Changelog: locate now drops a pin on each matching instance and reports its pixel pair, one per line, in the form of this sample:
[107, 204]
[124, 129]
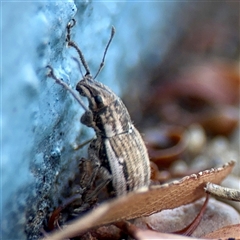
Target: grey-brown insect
[118, 152]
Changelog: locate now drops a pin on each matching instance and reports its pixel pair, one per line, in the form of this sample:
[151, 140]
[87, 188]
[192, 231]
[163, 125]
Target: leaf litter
[145, 202]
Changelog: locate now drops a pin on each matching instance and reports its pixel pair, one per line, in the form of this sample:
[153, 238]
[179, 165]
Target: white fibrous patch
[120, 160]
[119, 182]
[130, 128]
[108, 130]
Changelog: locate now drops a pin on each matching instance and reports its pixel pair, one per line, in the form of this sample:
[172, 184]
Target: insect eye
[98, 100]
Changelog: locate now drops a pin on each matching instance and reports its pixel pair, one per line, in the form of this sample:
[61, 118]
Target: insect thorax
[113, 119]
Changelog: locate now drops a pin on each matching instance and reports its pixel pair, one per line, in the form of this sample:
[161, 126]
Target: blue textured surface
[40, 120]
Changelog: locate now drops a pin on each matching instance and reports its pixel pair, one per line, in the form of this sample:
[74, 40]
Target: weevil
[118, 152]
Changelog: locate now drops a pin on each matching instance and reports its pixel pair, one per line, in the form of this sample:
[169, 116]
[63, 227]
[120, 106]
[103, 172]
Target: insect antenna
[62, 83]
[78, 64]
[105, 52]
[73, 44]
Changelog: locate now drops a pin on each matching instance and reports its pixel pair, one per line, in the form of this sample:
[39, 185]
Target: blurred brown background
[197, 80]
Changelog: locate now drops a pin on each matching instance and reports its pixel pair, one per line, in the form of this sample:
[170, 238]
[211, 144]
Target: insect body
[118, 152]
[118, 146]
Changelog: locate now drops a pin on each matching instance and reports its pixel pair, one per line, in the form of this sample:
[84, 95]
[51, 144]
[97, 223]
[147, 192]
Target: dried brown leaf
[217, 215]
[140, 234]
[108, 232]
[146, 201]
[223, 192]
[148, 234]
[230, 232]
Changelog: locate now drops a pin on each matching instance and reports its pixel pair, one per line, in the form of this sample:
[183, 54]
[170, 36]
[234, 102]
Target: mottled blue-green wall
[40, 120]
